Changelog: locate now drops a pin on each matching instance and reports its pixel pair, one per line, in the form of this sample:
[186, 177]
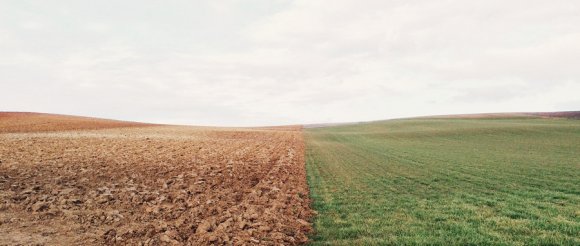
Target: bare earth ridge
[39, 122]
[83, 181]
[562, 114]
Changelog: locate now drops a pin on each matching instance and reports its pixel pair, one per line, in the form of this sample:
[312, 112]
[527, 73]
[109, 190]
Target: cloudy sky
[272, 62]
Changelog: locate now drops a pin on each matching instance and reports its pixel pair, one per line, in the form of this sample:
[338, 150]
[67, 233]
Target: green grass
[446, 182]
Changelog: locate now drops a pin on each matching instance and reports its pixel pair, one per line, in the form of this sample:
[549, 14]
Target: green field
[446, 181]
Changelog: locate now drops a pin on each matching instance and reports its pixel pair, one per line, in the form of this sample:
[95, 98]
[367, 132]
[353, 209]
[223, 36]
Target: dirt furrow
[159, 185]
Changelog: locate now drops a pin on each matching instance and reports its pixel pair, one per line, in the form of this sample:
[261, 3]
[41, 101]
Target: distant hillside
[331, 124]
[40, 122]
[563, 114]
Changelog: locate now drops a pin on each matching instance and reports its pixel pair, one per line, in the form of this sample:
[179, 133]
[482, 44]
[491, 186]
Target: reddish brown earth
[563, 114]
[38, 122]
[149, 185]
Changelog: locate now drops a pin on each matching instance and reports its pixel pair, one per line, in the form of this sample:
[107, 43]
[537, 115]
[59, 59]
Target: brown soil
[38, 122]
[157, 185]
[563, 114]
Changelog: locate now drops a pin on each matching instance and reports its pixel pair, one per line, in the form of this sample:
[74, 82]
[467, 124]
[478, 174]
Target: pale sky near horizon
[277, 62]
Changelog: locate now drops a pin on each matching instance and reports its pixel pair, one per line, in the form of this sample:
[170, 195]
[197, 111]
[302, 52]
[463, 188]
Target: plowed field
[37, 122]
[150, 185]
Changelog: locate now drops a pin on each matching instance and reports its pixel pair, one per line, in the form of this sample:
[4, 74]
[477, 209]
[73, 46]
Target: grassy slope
[446, 181]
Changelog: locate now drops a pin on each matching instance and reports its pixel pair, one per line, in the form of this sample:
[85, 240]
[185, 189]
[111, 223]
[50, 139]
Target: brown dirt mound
[38, 122]
[565, 114]
[161, 185]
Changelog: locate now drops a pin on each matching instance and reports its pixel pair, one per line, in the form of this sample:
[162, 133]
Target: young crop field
[446, 182]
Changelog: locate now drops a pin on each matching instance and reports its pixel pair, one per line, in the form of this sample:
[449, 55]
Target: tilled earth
[153, 185]
[37, 122]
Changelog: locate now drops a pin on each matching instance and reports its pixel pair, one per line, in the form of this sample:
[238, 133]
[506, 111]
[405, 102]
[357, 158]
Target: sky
[278, 62]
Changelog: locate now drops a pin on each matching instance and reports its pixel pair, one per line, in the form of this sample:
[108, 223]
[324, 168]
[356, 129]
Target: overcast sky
[273, 62]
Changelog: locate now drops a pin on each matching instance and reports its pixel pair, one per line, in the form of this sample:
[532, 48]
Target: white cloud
[283, 62]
